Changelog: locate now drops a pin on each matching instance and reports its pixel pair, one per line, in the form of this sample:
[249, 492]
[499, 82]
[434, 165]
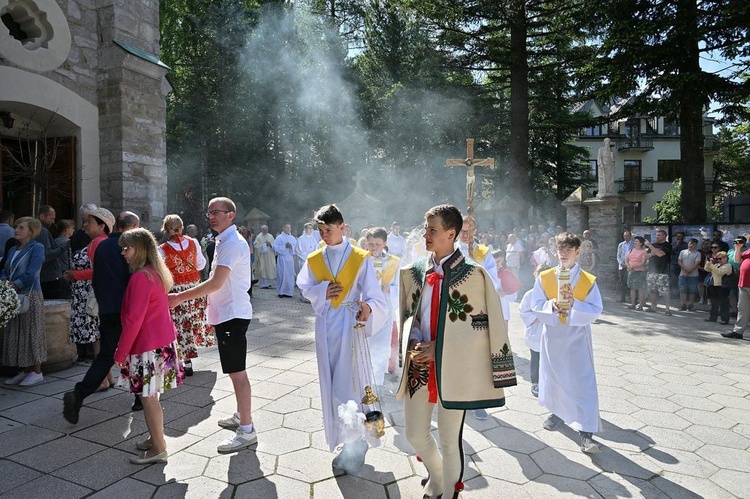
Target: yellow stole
[479, 253]
[346, 276]
[580, 292]
[389, 270]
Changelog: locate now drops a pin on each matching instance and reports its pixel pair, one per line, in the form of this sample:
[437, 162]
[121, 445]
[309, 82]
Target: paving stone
[570, 464]
[723, 389]
[719, 436]
[180, 467]
[99, 470]
[47, 486]
[282, 441]
[671, 439]
[730, 401]
[679, 461]
[25, 437]
[726, 458]
[113, 431]
[690, 401]
[271, 390]
[55, 454]
[240, 467]
[33, 411]
[737, 415]
[201, 422]
[485, 487]
[311, 390]
[306, 465]
[715, 419]
[195, 488]
[513, 439]
[347, 486]
[612, 485]
[678, 485]
[660, 419]
[274, 486]
[557, 486]
[654, 403]
[309, 420]
[51, 386]
[506, 465]
[735, 482]
[630, 465]
[127, 487]
[15, 475]
[198, 396]
[288, 404]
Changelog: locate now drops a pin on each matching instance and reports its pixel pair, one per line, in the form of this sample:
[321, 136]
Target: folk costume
[265, 260]
[455, 304]
[384, 343]
[285, 264]
[567, 383]
[185, 262]
[335, 321]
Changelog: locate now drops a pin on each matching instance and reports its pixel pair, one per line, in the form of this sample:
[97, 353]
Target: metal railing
[631, 185]
[638, 142]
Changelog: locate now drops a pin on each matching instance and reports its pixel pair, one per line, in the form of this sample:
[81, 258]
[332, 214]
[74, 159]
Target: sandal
[639, 308]
[104, 387]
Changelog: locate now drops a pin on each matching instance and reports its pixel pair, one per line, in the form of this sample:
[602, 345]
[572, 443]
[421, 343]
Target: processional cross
[469, 163]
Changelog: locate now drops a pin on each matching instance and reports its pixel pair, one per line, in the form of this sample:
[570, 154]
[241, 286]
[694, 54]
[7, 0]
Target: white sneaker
[239, 441]
[231, 423]
[16, 379]
[32, 379]
[535, 389]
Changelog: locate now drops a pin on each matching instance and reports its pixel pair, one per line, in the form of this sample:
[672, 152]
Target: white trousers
[446, 469]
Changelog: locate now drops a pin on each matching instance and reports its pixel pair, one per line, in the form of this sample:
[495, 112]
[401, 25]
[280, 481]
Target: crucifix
[469, 163]
[359, 179]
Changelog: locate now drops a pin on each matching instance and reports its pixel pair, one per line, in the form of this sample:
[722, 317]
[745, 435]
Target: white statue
[605, 160]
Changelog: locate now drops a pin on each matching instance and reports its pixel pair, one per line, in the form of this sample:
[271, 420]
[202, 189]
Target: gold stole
[479, 253]
[580, 292]
[388, 272]
[346, 276]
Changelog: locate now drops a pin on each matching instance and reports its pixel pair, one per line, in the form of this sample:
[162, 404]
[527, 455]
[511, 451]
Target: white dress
[334, 328]
[567, 383]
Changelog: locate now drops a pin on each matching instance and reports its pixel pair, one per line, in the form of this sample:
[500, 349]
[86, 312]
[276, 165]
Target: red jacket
[146, 321]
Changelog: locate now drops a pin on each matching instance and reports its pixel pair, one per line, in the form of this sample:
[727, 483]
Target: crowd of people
[422, 306]
[706, 270]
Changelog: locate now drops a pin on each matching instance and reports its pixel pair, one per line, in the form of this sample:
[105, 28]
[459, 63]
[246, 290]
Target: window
[632, 181]
[632, 129]
[669, 170]
[593, 130]
[670, 127]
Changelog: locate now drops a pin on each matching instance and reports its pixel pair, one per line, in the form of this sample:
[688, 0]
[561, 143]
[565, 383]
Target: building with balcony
[647, 154]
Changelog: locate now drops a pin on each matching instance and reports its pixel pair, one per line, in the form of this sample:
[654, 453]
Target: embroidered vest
[347, 275]
[183, 265]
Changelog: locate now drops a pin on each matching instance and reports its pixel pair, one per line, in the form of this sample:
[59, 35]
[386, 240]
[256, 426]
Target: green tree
[652, 50]
[732, 165]
[669, 209]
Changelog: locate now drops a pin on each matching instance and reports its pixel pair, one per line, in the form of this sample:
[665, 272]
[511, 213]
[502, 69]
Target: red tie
[433, 280]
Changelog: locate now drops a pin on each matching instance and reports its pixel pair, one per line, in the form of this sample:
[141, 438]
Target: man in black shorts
[229, 311]
[657, 277]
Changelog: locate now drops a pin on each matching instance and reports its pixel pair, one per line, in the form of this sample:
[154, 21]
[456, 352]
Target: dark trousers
[622, 285]
[534, 366]
[719, 303]
[110, 328]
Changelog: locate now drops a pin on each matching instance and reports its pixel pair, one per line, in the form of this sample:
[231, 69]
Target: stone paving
[675, 400]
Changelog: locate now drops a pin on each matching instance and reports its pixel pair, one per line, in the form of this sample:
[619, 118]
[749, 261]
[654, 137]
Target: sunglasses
[714, 247]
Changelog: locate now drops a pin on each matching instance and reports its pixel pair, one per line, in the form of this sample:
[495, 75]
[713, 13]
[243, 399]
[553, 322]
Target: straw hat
[104, 215]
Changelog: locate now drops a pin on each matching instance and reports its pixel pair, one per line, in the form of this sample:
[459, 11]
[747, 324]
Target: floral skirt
[190, 320]
[24, 341]
[152, 372]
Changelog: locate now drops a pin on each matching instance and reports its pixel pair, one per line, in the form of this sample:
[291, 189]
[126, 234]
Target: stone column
[605, 222]
[576, 211]
[132, 108]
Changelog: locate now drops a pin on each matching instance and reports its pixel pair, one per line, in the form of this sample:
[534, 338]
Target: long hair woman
[147, 353]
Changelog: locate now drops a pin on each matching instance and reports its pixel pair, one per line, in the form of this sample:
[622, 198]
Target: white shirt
[420, 330]
[396, 244]
[231, 300]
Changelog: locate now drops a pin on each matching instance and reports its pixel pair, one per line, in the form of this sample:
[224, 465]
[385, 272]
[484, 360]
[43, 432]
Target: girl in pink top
[635, 261]
[147, 351]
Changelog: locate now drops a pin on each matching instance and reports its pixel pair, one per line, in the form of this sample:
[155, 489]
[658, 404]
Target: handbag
[23, 303]
[732, 280]
[92, 306]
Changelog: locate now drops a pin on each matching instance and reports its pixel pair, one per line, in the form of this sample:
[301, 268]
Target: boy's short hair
[377, 233]
[449, 214]
[567, 240]
[329, 215]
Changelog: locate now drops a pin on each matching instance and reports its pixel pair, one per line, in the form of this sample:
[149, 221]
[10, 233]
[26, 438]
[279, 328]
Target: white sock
[246, 428]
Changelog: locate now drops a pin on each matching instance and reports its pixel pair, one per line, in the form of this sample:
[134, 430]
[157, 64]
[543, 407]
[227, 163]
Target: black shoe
[737, 336]
[726, 323]
[188, 368]
[254, 282]
[137, 404]
[72, 402]
[683, 308]
[710, 320]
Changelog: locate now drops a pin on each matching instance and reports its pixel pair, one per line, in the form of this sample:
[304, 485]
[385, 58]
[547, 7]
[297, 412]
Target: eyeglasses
[714, 247]
[214, 213]
[464, 231]
[125, 248]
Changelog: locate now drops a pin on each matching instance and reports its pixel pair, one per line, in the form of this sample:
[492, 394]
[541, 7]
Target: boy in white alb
[567, 383]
